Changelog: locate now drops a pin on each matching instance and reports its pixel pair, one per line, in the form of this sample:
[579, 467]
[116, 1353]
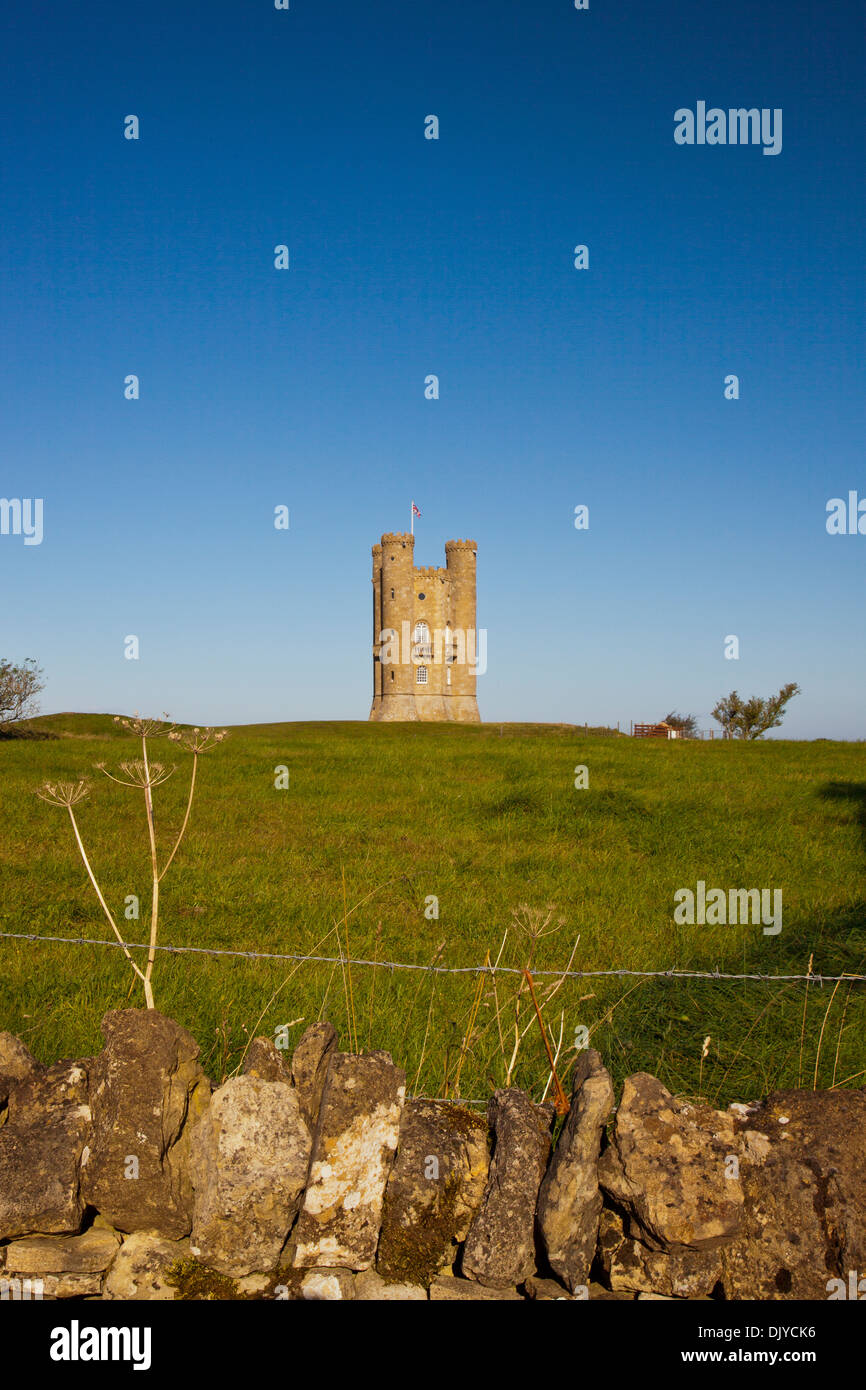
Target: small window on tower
[422, 596]
[421, 675]
[392, 593]
[392, 675]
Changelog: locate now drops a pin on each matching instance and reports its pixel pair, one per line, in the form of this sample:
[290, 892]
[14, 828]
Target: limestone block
[354, 1147]
[500, 1247]
[147, 1090]
[249, 1156]
[42, 1146]
[310, 1062]
[434, 1191]
[667, 1167]
[139, 1268]
[569, 1203]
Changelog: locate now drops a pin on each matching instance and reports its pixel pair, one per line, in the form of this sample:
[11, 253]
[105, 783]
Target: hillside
[487, 820]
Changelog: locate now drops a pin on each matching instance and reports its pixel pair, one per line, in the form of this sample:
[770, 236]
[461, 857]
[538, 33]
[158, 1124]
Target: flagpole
[412, 518]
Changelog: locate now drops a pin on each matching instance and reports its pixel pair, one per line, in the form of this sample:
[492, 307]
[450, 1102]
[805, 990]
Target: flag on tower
[412, 515]
[415, 511]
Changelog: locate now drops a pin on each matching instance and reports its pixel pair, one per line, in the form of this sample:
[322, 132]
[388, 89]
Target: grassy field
[489, 821]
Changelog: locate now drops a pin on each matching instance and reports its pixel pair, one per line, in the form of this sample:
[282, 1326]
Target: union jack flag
[415, 510]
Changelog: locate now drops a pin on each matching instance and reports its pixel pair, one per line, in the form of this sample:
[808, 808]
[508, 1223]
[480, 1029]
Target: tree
[750, 719]
[727, 712]
[686, 723]
[19, 687]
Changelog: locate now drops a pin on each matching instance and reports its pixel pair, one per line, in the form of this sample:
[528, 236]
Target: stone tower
[424, 635]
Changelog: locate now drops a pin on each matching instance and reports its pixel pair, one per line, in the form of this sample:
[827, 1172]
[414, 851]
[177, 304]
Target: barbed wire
[670, 974]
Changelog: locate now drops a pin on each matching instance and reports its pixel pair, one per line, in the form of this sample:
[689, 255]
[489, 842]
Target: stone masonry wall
[129, 1176]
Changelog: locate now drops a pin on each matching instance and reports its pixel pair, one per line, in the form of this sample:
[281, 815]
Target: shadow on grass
[839, 939]
[7, 735]
[854, 793]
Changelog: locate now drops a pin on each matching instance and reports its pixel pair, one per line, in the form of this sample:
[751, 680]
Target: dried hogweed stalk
[143, 775]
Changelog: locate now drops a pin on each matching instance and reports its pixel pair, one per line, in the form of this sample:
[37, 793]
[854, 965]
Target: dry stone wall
[130, 1176]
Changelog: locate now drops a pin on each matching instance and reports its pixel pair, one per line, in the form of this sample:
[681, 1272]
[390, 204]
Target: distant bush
[750, 719]
[19, 687]
[686, 723]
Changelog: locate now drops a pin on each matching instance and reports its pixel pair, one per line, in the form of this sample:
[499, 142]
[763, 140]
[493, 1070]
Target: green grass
[486, 818]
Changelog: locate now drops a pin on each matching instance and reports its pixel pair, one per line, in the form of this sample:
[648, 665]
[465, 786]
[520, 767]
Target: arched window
[422, 650]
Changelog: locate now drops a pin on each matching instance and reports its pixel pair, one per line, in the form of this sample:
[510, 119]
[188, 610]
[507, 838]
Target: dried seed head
[200, 740]
[139, 774]
[63, 793]
[536, 922]
[146, 728]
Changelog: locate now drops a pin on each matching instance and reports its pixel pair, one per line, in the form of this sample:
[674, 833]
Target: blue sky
[409, 256]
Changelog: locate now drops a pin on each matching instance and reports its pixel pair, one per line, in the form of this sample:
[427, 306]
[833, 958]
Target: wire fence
[483, 969]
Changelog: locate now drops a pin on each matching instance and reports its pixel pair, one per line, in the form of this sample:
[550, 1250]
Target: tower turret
[460, 559]
[377, 628]
[392, 641]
